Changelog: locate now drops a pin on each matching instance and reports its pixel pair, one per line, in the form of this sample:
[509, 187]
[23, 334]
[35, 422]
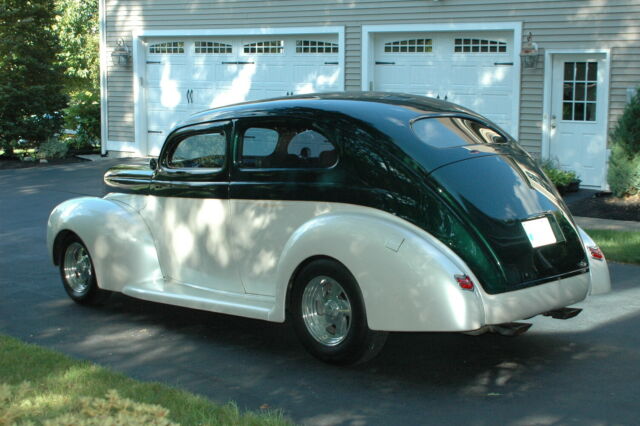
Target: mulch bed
[17, 164]
[604, 206]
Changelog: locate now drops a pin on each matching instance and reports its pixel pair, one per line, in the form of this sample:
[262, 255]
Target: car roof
[359, 105]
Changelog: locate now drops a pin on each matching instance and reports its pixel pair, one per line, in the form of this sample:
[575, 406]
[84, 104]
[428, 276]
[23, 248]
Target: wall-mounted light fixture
[530, 53]
[121, 55]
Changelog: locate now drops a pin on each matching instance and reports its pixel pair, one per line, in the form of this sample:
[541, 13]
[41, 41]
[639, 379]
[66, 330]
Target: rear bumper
[528, 302]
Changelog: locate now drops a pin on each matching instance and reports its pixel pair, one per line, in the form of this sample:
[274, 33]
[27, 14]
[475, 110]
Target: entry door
[578, 115]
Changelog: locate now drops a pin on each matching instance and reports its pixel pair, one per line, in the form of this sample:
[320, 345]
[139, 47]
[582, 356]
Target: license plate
[539, 232]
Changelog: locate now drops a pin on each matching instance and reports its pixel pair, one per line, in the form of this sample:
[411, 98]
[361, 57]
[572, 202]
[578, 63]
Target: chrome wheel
[77, 268]
[326, 310]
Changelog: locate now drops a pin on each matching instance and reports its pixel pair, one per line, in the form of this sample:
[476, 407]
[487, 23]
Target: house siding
[580, 24]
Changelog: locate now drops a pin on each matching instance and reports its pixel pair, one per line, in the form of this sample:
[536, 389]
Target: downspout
[104, 113]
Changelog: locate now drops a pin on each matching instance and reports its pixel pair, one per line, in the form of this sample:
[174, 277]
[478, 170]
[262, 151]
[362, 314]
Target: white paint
[159, 103]
[578, 146]
[104, 104]
[494, 91]
[213, 254]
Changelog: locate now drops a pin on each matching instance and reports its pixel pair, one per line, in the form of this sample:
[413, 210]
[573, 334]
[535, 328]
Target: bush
[560, 178]
[19, 403]
[53, 148]
[83, 116]
[624, 172]
[627, 131]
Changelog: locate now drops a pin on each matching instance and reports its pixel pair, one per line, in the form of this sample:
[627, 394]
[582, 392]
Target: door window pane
[200, 151]
[579, 91]
[286, 147]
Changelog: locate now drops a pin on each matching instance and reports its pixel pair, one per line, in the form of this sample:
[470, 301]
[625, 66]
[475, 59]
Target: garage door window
[212, 47]
[270, 46]
[475, 45]
[418, 45]
[286, 147]
[314, 46]
[169, 47]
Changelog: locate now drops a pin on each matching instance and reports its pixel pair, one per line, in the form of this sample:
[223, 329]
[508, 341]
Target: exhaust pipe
[506, 329]
[563, 313]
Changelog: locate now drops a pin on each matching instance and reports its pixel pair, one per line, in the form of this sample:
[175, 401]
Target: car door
[285, 173]
[188, 209]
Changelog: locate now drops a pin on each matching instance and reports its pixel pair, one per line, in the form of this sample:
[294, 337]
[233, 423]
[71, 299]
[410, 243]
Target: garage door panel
[472, 69]
[311, 78]
[192, 75]
[166, 70]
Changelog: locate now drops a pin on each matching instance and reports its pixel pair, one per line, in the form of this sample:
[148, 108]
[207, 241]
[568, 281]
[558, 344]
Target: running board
[563, 313]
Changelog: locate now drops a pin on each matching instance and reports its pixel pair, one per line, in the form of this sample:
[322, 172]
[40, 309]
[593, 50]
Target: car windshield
[449, 132]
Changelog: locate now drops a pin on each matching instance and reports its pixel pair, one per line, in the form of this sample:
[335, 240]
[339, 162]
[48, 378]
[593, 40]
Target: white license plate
[539, 232]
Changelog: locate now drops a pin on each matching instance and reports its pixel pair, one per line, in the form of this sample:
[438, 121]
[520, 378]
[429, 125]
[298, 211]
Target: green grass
[618, 246]
[39, 385]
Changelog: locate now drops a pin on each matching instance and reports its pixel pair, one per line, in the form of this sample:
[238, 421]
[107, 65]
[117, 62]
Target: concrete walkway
[615, 225]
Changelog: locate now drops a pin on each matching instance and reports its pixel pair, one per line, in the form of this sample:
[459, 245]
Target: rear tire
[329, 315]
[78, 274]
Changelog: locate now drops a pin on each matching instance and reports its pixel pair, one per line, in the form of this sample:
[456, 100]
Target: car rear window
[449, 132]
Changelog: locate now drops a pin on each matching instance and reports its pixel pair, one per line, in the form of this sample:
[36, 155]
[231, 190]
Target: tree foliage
[31, 79]
[78, 30]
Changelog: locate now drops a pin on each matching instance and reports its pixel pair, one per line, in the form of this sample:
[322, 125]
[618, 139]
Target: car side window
[200, 151]
[286, 147]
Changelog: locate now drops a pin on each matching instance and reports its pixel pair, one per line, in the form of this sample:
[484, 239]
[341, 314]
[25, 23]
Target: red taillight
[596, 253]
[464, 282]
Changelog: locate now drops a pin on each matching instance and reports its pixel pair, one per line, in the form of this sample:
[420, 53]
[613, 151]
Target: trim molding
[368, 32]
[104, 105]
[139, 64]
[548, 87]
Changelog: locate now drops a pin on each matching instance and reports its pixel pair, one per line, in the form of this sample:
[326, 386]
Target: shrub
[53, 148]
[558, 177]
[624, 172]
[626, 133]
[83, 116]
[19, 403]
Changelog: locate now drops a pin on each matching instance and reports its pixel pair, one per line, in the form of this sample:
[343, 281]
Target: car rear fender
[118, 240]
[406, 276]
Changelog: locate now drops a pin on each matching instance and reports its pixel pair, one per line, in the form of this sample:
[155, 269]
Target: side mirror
[153, 164]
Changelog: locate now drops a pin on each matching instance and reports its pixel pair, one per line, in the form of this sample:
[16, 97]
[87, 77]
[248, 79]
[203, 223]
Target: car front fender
[118, 240]
[406, 277]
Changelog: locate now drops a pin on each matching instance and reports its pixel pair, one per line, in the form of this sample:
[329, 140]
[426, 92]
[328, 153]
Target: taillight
[596, 253]
[465, 282]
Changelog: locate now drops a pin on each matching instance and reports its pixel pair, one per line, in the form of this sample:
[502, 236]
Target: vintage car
[350, 214]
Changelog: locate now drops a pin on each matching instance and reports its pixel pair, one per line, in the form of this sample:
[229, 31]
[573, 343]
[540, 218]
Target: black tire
[355, 345]
[78, 274]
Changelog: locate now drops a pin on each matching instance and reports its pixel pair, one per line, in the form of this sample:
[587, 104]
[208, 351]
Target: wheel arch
[404, 275]
[117, 238]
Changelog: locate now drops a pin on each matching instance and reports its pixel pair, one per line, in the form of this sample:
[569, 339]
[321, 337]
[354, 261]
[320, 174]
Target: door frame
[368, 49]
[549, 56]
[141, 144]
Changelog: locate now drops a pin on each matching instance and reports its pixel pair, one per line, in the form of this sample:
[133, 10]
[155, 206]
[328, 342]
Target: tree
[31, 79]
[77, 28]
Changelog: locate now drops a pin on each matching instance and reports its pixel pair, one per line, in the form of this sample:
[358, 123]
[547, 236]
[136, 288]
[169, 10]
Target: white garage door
[184, 76]
[473, 69]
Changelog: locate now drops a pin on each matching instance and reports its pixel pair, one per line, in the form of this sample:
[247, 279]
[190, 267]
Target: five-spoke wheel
[329, 315]
[78, 274]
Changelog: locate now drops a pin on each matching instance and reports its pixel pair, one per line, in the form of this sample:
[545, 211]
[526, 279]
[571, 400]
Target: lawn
[618, 246]
[38, 385]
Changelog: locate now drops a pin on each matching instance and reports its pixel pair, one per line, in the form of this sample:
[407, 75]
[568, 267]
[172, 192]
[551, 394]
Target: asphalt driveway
[581, 371]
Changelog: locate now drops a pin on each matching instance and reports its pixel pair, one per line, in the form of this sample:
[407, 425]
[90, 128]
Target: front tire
[78, 274]
[329, 316]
